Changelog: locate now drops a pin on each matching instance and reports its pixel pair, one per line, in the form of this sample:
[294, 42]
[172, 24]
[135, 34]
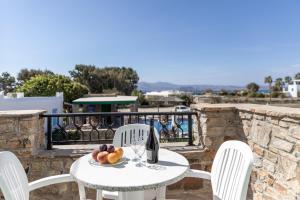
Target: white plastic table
[128, 178]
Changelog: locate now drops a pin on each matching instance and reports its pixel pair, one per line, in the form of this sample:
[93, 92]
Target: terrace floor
[189, 195]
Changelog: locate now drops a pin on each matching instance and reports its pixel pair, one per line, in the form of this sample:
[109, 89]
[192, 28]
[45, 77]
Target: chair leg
[99, 195]
[81, 189]
[161, 193]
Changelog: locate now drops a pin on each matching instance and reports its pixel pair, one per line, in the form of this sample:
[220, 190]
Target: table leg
[81, 189]
[99, 195]
[138, 195]
[161, 193]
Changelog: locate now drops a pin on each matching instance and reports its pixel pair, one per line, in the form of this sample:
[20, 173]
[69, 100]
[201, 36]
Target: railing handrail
[144, 115]
[117, 113]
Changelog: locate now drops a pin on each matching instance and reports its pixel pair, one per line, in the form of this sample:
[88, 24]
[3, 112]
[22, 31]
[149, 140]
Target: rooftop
[106, 100]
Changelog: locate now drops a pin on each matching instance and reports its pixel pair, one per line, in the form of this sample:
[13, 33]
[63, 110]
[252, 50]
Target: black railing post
[49, 133]
[190, 129]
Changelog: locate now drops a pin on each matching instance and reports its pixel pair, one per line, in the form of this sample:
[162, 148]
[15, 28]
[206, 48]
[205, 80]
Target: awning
[106, 100]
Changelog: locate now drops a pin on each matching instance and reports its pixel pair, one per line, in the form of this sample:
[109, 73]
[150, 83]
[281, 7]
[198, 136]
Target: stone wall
[273, 133]
[22, 132]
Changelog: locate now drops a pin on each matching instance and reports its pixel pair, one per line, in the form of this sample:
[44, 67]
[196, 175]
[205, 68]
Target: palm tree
[297, 76]
[278, 84]
[269, 80]
[287, 79]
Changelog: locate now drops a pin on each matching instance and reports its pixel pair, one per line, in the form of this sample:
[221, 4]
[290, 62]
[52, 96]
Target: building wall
[50, 104]
[293, 90]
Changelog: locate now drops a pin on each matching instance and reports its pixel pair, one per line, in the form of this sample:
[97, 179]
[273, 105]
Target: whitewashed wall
[50, 104]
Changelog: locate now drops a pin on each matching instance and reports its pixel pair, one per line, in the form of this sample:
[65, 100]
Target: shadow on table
[170, 164]
[123, 164]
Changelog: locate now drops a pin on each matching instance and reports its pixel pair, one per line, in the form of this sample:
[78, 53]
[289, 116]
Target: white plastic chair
[123, 136]
[230, 171]
[13, 180]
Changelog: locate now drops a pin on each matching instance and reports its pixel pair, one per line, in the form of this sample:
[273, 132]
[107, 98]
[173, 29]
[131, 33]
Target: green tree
[122, 79]
[252, 87]
[188, 99]
[278, 85]
[7, 82]
[269, 81]
[297, 76]
[87, 75]
[223, 92]
[26, 74]
[48, 85]
[287, 79]
[141, 97]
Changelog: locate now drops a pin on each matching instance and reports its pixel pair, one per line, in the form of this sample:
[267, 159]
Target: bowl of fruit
[107, 155]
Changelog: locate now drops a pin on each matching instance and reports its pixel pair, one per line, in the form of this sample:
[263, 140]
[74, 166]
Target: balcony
[273, 133]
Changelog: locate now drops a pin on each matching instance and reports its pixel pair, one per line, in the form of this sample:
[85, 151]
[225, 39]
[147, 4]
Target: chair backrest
[124, 135]
[231, 171]
[13, 179]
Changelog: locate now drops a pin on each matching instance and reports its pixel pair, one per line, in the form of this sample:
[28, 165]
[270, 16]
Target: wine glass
[134, 142]
[140, 152]
[134, 145]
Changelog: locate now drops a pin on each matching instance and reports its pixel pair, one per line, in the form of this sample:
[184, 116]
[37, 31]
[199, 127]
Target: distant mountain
[159, 86]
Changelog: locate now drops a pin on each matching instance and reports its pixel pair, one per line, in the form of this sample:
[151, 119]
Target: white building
[293, 88]
[164, 93]
[17, 101]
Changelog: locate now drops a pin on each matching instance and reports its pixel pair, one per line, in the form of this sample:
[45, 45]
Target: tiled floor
[189, 195]
[205, 194]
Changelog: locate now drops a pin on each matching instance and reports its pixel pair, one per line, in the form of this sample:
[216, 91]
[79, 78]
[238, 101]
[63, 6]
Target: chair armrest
[198, 174]
[49, 181]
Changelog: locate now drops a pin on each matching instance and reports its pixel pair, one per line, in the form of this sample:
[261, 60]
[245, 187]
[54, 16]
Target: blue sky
[187, 42]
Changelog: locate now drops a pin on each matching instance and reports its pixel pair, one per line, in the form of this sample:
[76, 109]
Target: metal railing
[93, 128]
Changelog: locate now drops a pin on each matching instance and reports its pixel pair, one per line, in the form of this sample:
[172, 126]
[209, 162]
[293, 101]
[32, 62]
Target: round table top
[127, 176]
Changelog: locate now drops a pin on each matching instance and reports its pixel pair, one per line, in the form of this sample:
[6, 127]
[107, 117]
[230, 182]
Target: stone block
[217, 122]
[2, 144]
[271, 156]
[258, 150]
[282, 144]
[294, 131]
[259, 117]
[280, 188]
[272, 120]
[261, 133]
[8, 126]
[28, 126]
[284, 124]
[287, 167]
[270, 180]
[215, 131]
[257, 161]
[57, 165]
[291, 120]
[259, 187]
[269, 166]
[279, 132]
[14, 143]
[245, 115]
